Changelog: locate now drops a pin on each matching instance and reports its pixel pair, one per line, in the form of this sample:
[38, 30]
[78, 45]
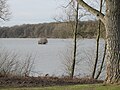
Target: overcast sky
[34, 11]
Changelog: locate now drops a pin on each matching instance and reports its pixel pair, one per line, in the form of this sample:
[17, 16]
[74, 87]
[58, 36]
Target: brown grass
[43, 81]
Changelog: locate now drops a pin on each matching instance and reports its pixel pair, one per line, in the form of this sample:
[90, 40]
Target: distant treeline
[87, 29]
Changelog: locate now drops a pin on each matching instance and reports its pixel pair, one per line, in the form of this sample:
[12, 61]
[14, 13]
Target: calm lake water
[49, 58]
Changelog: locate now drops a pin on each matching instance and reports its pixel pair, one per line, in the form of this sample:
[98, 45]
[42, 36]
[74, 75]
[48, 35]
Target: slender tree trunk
[97, 45]
[112, 24]
[75, 42]
[97, 51]
[103, 59]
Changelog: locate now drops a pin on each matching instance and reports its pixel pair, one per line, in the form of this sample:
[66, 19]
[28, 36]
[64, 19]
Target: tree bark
[112, 25]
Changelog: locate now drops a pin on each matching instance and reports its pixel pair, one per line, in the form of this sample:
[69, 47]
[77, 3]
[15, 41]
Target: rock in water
[43, 41]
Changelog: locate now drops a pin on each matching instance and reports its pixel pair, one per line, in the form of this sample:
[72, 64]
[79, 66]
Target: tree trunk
[75, 42]
[112, 24]
[103, 59]
[98, 40]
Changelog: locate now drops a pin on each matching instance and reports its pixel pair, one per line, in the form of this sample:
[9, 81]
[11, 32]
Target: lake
[49, 58]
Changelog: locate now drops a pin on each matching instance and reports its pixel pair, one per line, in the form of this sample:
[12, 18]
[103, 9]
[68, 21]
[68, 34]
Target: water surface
[49, 57]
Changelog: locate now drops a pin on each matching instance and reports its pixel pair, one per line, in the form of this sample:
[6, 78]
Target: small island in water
[43, 41]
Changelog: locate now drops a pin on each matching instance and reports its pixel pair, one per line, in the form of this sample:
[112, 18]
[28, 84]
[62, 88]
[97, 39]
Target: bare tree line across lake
[87, 29]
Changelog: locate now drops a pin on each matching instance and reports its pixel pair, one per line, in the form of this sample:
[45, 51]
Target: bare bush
[12, 65]
[90, 60]
[67, 59]
[27, 65]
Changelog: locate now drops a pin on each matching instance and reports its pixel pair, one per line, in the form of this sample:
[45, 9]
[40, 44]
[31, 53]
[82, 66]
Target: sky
[33, 11]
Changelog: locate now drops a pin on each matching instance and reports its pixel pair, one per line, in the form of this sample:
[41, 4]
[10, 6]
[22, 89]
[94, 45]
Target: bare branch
[4, 10]
[92, 10]
[68, 4]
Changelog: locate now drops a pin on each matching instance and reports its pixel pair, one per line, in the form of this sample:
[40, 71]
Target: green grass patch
[71, 87]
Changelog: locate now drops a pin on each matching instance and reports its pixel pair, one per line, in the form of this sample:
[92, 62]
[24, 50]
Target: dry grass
[43, 81]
